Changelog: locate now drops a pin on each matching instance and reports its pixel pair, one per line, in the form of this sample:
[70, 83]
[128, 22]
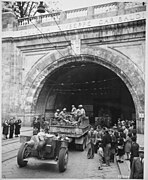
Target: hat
[57, 110]
[80, 106]
[64, 109]
[141, 150]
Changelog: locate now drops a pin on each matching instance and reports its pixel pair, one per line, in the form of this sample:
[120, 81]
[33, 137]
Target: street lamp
[41, 8]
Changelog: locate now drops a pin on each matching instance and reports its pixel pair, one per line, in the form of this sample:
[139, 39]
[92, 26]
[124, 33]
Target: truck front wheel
[63, 159]
[22, 154]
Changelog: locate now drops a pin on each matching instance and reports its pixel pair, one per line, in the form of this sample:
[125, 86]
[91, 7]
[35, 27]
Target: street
[78, 166]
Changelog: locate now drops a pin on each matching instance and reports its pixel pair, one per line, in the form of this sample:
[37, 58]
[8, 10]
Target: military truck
[77, 133]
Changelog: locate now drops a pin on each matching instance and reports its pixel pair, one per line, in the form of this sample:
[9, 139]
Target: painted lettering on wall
[79, 25]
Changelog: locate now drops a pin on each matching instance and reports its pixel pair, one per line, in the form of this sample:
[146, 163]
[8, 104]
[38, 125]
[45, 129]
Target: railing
[76, 13]
[81, 12]
[39, 19]
[105, 8]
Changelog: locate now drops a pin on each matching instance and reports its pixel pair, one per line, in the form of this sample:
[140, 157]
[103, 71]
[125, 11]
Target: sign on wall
[79, 24]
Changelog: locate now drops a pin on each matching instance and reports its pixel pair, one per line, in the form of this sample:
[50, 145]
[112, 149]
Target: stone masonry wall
[12, 76]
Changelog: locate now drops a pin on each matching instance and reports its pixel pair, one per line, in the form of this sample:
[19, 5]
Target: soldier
[80, 113]
[63, 115]
[74, 112]
[57, 115]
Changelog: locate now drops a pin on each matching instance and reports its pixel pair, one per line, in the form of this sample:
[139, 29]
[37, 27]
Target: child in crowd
[100, 156]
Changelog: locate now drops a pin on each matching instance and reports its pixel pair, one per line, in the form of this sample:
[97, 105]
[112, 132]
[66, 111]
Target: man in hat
[138, 166]
[80, 113]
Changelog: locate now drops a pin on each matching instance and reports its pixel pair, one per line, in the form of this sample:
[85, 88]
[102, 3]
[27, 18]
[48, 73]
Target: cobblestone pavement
[78, 167]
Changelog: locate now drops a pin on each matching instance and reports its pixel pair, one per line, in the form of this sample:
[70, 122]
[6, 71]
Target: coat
[106, 140]
[134, 150]
[121, 151]
[17, 127]
[128, 145]
[5, 129]
[136, 169]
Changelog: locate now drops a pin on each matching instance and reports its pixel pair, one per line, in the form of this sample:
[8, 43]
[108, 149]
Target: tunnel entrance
[99, 89]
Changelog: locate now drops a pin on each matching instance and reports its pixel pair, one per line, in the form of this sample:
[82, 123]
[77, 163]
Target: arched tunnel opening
[100, 90]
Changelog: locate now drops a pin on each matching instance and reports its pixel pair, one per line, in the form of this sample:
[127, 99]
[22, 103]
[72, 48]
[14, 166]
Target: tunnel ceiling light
[83, 65]
[73, 66]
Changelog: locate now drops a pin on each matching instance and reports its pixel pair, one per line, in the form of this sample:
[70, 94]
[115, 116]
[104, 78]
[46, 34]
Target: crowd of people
[11, 127]
[120, 141]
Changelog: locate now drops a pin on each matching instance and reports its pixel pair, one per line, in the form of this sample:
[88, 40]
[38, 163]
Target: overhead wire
[70, 44]
[47, 38]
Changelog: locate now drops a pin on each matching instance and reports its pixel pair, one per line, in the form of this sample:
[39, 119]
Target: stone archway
[118, 63]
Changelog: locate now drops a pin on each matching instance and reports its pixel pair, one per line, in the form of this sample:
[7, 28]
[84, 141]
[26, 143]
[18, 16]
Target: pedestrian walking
[137, 169]
[134, 150]
[100, 156]
[91, 145]
[17, 125]
[11, 124]
[128, 144]
[106, 141]
[5, 128]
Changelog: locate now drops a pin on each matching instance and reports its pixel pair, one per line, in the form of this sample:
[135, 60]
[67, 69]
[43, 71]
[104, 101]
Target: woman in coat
[5, 128]
[128, 144]
[17, 127]
[11, 123]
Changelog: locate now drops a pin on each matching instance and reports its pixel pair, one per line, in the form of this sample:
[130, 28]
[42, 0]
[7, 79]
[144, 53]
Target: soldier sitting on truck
[63, 115]
[81, 113]
[57, 115]
[74, 112]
